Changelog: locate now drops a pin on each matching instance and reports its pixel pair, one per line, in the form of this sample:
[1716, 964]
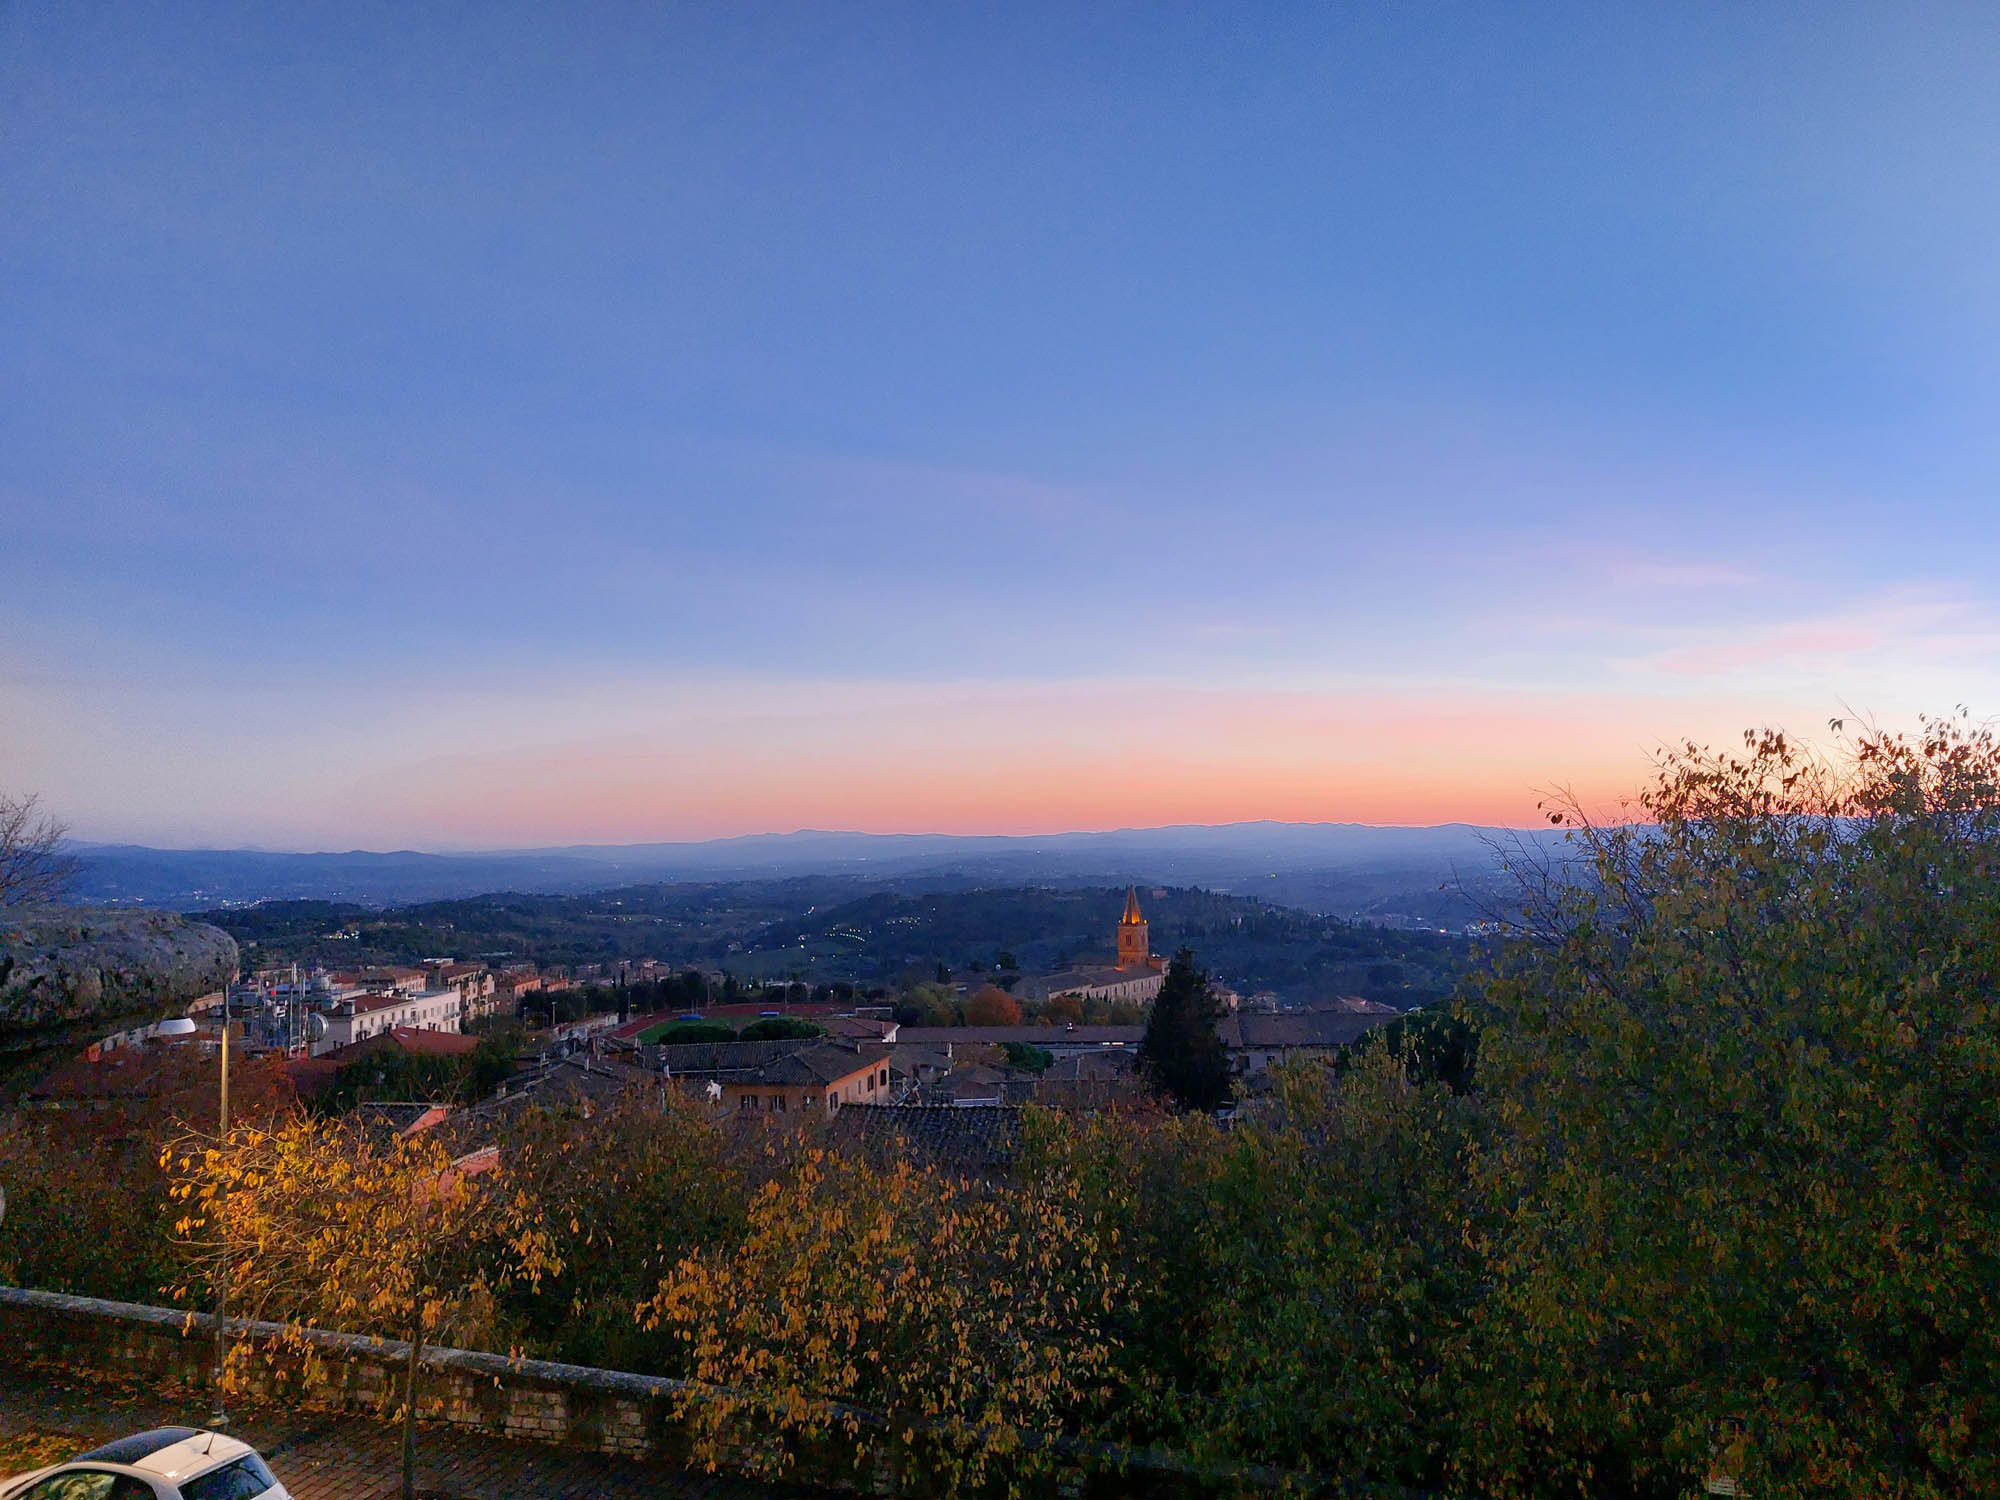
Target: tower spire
[1134, 950]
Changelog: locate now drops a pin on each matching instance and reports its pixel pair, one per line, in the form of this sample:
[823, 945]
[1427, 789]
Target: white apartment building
[358, 1017]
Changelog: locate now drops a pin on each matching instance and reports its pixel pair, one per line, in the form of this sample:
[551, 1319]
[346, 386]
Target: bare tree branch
[34, 865]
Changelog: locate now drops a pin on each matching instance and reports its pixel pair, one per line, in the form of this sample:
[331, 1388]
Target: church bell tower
[1134, 952]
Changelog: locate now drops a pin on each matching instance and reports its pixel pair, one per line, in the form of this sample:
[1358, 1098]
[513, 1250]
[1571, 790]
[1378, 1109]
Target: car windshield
[242, 1480]
[89, 1484]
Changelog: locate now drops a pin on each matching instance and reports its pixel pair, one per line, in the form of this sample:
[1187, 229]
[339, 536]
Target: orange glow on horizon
[1026, 768]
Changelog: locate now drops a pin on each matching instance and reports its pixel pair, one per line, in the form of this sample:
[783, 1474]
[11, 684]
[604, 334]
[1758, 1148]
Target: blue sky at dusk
[497, 425]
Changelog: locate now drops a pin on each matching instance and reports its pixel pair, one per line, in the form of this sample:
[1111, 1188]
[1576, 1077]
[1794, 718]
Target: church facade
[1137, 975]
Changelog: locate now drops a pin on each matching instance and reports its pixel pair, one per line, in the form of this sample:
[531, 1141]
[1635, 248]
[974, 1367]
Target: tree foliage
[684, 1033]
[967, 1319]
[84, 1210]
[315, 1224]
[86, 1196]
[1181, 1055]
[1432, 1046]
[1295, 1285]
[1028, 1057]
[388, 1072]
[626, 1191]
[992, 1006]
[1704, 1176]
[1746, 1087]
[781, 1029]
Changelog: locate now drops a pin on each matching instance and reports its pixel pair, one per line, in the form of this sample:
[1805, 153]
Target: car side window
[242, 1480]
[89, 1484]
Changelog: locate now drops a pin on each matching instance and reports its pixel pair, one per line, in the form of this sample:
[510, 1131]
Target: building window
[778, 1103]
[747, 1101]
[871, 1083]
[885, 1077]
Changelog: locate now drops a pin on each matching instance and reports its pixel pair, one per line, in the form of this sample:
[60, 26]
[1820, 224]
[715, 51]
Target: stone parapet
[576, 1406]
[606, 1410]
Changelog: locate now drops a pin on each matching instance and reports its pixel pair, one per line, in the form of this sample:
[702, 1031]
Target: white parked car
[168, 1463]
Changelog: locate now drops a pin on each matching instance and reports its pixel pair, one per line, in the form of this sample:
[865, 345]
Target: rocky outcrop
[69, 975]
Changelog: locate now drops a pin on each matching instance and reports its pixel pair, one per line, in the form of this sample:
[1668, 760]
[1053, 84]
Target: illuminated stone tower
[1133, 950]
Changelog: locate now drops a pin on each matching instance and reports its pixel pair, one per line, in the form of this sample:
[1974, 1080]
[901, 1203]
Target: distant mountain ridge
[1322, 866]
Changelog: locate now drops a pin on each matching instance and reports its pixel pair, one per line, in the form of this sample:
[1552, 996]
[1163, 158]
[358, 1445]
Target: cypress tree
[1181, 1055]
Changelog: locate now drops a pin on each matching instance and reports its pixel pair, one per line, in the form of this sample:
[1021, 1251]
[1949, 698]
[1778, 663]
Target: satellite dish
[316, 1028]
[178, 1026]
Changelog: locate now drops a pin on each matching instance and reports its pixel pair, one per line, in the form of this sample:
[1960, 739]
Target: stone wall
[605, 1410]
[608, 1411]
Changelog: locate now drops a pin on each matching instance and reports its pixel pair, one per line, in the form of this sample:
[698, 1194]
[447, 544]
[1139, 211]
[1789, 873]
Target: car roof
[127, 1450]
[195, 1454]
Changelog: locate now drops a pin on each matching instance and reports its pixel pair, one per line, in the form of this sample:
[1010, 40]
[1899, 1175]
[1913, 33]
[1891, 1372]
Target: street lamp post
[221, 1417]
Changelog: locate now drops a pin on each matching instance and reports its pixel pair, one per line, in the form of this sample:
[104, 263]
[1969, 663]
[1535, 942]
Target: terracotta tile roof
[567, 1080]
[722, 1058]
[385, 1121]
[859, 1028]
[1038, 1036]
[433, 1043]
[821, 1063]
[1317, 1028]
[967, 1137]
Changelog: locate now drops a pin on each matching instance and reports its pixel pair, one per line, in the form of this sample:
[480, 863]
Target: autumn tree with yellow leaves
[966, 1322]
[627, 1189]
[317, 1225]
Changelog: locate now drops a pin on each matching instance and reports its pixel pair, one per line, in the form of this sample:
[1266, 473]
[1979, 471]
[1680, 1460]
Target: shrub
[992, 1006]
[682, 1033]
[781, 1029]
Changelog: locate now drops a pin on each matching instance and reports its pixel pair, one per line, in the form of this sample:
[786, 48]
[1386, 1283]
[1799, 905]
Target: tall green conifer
[1181, 1055]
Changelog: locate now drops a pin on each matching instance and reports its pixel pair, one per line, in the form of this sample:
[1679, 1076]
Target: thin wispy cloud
[1909, 628]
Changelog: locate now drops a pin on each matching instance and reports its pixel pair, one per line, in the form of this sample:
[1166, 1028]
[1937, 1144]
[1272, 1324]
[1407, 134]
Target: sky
[487, 426]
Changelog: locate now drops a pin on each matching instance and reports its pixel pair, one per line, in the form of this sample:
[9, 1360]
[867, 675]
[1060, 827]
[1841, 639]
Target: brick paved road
[329, 1456]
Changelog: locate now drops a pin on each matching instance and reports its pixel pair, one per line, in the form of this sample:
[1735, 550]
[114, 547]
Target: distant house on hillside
[797, 1075]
